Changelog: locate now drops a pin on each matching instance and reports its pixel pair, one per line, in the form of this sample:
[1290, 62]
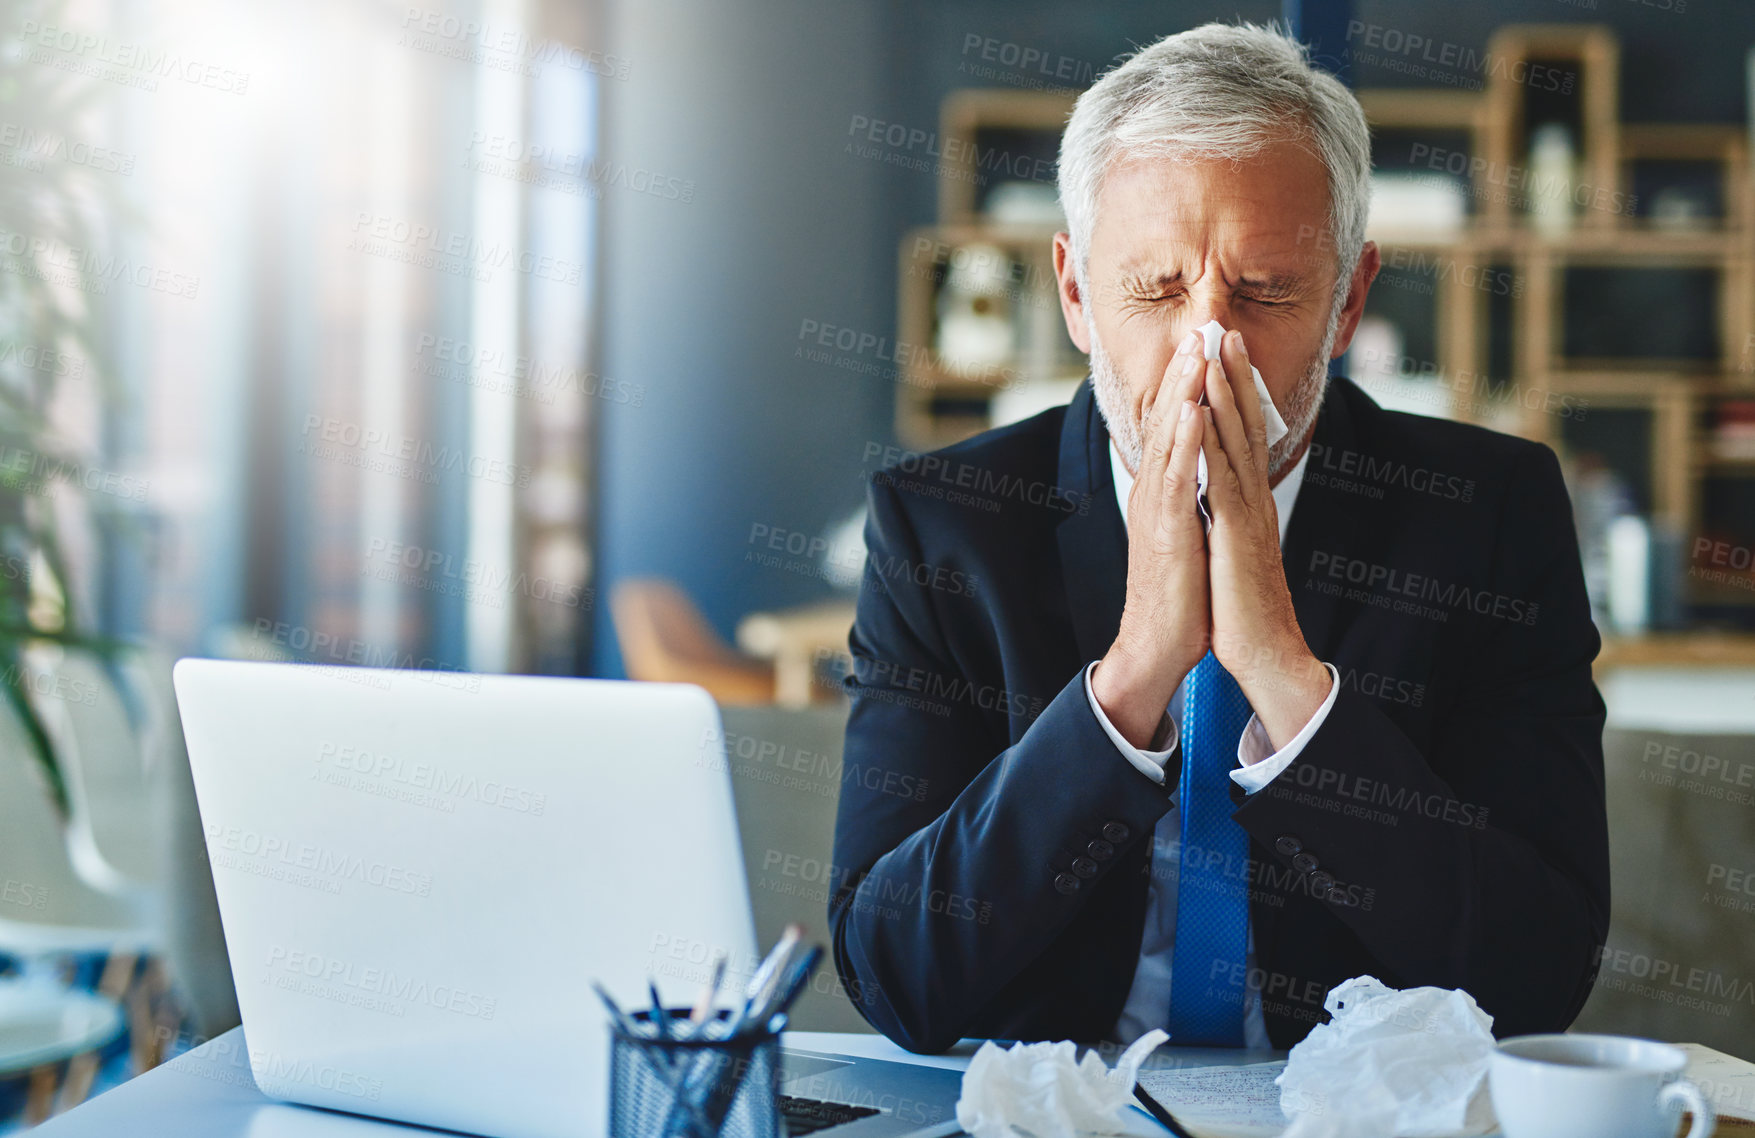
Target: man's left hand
[1255, 629]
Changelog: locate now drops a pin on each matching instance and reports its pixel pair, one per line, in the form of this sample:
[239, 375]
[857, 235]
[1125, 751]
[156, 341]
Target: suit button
[1288, 845]
[1116, 831]
[1100, 849]
[1066, 883]
[1305, 863]
[1320, 883]
[1084, 867]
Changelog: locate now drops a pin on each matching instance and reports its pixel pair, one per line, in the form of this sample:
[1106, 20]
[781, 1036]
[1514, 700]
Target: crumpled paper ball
[1039, 1091]
[1391, 1063]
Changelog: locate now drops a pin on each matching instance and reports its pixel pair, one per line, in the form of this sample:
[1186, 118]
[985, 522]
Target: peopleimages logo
[148, 64]
[98, 268]
[809, 770]
[23, 894]
[35, 471]
[385, 983]
[1670, 981]
[323, 866]
[428, 777]
[933, 474]
[402, 456]
[1391, 472]
[1426, 57]
[273, 1071]
[1384, 585]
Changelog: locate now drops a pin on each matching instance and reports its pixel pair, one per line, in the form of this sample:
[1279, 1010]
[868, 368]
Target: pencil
[1157, 1111]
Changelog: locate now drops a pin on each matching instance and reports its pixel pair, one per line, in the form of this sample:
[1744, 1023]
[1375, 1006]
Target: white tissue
[1391, 1063]
[1036, 1089]
[1213, 332]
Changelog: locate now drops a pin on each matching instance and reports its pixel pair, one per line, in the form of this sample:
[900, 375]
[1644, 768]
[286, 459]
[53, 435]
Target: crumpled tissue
[1391, 1063]
[1212, 332]
[1037, 1089]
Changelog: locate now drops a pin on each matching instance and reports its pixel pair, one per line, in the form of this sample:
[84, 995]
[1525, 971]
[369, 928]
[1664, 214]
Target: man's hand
[1255, 630]
[1165, 623]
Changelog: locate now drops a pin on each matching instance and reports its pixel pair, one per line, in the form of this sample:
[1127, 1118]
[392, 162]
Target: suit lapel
[1093, 568]
[1327, 522]
[1092, 539]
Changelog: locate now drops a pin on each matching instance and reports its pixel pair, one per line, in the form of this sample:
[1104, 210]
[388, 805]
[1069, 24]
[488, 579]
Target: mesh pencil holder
[695, 1088]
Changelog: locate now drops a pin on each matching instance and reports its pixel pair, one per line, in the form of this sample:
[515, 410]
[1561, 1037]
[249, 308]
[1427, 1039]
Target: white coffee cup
[1593, 1086]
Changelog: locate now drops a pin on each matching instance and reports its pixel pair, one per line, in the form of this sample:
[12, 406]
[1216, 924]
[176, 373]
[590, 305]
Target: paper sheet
[1243, 1102]
[1221, 1102]
[1727, 1082]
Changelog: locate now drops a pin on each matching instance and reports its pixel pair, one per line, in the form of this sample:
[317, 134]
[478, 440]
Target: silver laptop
[420, 873]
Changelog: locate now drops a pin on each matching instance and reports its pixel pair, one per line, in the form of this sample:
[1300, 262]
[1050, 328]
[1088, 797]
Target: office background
[507, 337]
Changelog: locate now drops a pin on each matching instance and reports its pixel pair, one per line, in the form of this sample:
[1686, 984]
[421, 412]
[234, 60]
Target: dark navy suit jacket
[1444, 826]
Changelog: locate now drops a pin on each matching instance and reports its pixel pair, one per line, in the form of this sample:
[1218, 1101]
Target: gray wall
[702, 302]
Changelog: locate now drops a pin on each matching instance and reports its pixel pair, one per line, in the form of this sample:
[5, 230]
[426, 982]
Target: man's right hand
[1166, 623]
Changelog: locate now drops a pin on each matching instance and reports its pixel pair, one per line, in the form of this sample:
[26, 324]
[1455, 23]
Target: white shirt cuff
[1149, 763]
[1257, 762]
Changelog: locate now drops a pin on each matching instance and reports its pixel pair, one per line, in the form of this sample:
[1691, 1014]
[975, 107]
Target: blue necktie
[1212, 899]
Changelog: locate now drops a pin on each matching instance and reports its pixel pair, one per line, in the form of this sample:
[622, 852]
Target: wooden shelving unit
[1676, 394]
[1594, 54]
[939, 403]
[965, 115]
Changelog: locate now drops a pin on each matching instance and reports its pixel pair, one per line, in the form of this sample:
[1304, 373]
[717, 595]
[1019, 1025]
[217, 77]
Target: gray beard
[1300, 410]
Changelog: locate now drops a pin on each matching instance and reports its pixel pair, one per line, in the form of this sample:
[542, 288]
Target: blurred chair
[797, 640]
[48, 912]
[43, 1025]
[1680, 961]
[786, 773]
[64, 914]
[194, 942]
[664, 637]
[116, 819]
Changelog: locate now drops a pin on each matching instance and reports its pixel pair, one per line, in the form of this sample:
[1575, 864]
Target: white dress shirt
[1148, 1001]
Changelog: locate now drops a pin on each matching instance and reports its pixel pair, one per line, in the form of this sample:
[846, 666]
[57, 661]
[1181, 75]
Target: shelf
[1681, 142]
[966, 113]
[1596, 54]
[1679, 650]
[1722, 143]
[1636, 244]
[1578, 371]
[943, 381]
[1414, 108]
[966, 232]
[1030, 290]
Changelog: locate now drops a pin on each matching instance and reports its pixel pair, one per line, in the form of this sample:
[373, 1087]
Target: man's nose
[1204, 310]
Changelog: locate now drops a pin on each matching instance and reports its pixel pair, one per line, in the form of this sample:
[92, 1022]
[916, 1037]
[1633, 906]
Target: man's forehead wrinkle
[1258, 272]
[1234, 238]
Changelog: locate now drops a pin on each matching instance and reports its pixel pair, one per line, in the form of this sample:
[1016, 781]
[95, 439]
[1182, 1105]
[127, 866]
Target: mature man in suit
[1120, 772]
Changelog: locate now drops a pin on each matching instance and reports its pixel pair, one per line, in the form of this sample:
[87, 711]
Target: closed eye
[1146, 301]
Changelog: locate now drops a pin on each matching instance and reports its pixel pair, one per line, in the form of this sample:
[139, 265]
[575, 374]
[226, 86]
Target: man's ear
[1072, 302]
[1370, 261]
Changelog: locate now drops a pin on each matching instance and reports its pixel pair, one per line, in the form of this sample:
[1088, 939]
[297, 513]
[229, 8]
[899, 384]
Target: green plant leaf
[42, 747]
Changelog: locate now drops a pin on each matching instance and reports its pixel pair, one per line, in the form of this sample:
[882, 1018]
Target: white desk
[208, 1093]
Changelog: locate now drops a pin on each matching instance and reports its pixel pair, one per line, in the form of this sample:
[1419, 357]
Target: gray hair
[1219, 91]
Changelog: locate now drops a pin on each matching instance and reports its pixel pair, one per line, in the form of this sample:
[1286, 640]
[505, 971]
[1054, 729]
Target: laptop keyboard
[809, 1115]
